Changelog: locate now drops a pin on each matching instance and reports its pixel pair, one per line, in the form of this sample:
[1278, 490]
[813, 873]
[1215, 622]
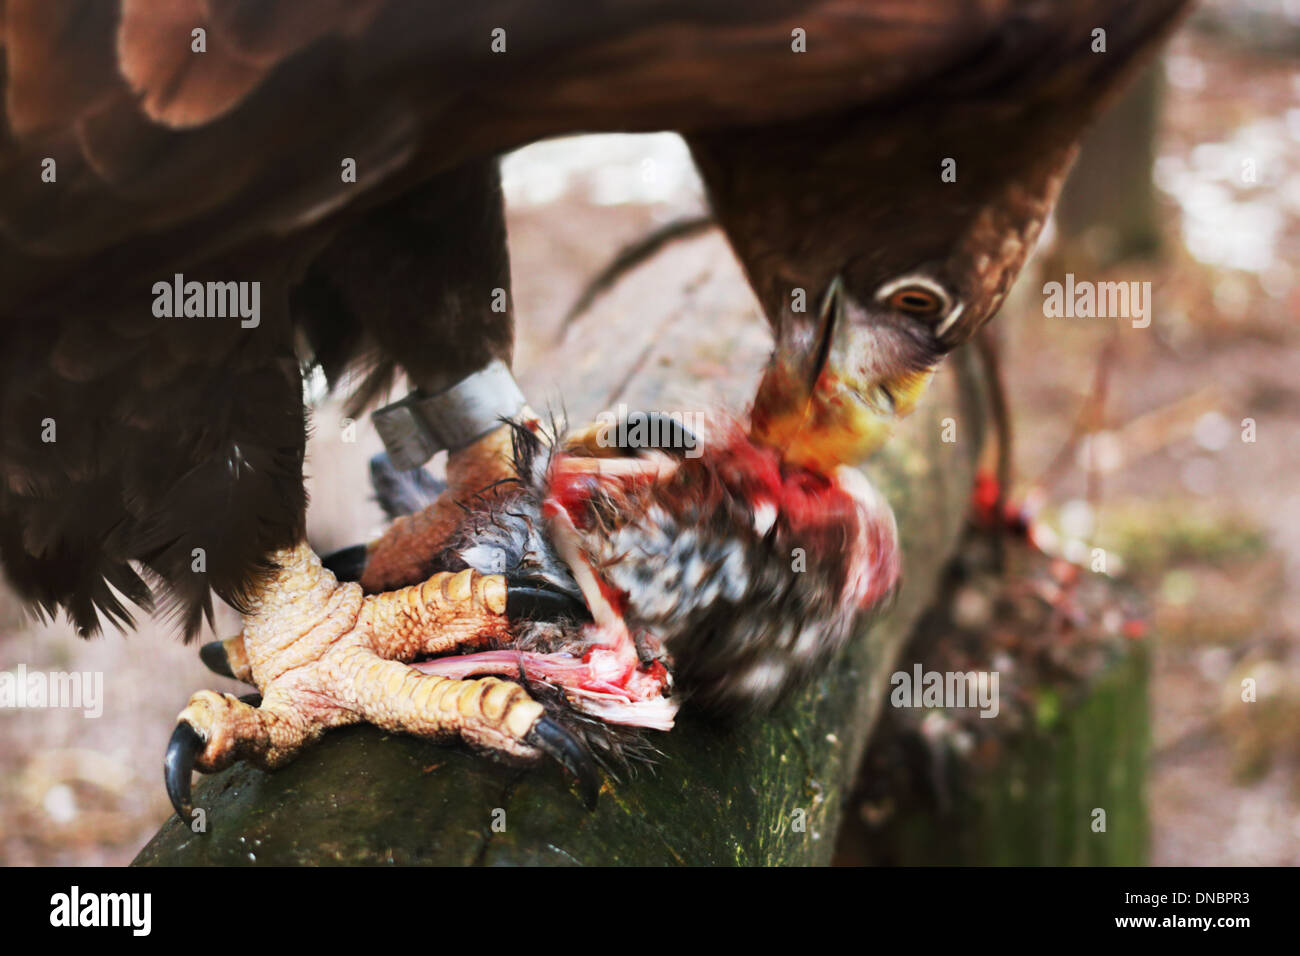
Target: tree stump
[1057, 777]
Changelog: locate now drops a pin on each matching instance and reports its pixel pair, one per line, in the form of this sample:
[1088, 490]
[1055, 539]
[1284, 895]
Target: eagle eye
[916, 300]
[921, 298]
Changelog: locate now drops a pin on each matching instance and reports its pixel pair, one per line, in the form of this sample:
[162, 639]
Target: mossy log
[762, 791]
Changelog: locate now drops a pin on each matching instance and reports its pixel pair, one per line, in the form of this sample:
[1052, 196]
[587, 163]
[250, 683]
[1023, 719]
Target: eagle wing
[144, 138]
[161, 151]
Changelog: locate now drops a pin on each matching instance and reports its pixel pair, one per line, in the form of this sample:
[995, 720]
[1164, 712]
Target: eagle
[202, 199]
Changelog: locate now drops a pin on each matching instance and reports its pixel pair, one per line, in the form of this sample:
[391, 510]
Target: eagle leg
[324, 655]
[406, 549]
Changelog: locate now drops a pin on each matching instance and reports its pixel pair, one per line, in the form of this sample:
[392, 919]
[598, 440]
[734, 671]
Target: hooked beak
[824, 401]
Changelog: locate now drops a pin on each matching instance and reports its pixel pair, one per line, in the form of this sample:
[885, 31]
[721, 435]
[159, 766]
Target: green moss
[1153, 536]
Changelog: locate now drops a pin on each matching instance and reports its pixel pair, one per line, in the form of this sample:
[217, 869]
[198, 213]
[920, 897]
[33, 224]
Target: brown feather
[61, 62]
[177, 86]
[267, 31]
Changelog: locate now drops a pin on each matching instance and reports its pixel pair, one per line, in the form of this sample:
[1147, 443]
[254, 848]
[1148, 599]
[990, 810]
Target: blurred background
[1126, 439]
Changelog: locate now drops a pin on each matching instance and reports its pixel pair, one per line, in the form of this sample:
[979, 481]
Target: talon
[213, 656]
[542, 604]
[346, 656]
[227, 658]
[669, 434]
[548, 736]
[637, 432]
[178, 767]
[347, 564]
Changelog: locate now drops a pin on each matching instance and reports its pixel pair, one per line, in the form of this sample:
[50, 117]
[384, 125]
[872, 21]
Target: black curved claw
[178, 766]
[666, 434]
[347, 564]
[571, 753]
[528, 600]
[213, 655]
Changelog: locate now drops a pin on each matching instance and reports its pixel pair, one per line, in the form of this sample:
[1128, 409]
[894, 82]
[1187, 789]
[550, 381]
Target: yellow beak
[814, 405]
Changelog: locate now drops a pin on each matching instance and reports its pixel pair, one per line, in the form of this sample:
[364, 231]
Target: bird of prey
[199, 198]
